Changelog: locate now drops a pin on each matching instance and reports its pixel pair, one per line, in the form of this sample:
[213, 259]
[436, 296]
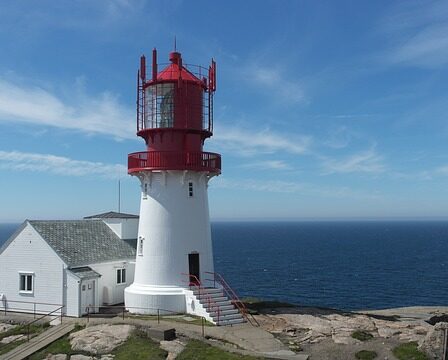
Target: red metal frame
[174, 160]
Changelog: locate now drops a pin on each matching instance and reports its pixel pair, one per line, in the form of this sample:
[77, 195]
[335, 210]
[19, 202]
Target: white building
[79, 264]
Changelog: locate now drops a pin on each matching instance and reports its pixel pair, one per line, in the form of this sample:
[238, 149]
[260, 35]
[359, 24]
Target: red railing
[174, 160]
[217, 278]
[195, 283]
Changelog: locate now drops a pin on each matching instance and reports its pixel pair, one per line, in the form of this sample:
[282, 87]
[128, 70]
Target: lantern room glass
[159, 106]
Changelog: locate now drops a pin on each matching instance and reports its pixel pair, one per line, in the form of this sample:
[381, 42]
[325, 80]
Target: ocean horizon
[347, 265]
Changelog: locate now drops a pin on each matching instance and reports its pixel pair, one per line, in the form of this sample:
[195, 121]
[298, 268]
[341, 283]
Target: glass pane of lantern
[159, 106]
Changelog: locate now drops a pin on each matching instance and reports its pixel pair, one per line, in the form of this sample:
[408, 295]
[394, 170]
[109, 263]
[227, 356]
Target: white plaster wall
[194, 307]
[124, 228]
[108, 291]
[28, 252]
[173, 225]
[72, 297]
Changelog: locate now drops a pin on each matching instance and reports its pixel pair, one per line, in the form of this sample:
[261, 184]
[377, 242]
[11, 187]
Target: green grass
[34, 329]
[139, 347]
[409, 351]
[197, 350]
[366, 355]
[361, 335]
[5, 348]
[23, 329]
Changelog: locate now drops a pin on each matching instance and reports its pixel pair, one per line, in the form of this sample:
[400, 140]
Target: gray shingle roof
[83, 242]
[112, 215]
[85, 272]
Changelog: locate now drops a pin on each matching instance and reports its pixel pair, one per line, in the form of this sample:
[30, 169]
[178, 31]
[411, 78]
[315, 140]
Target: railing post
[34, 309]
[88, 314]
[158, 316]
[123, 311]
[202, 324]
[62, 308]
[28, 332]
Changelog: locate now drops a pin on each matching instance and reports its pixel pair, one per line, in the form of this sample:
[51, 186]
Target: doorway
[193, 267]
[87, 296]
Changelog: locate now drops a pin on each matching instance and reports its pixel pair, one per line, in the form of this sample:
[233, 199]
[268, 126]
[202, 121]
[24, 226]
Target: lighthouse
[174, 249]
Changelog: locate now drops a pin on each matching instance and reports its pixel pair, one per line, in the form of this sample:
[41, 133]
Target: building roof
[85, 272]
[112, 215]
[83, 242]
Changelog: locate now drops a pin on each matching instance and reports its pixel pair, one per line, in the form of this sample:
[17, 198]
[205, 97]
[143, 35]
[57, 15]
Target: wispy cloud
[58, 165]
[93, 115]
[291, 187]
[249, 141]
[366, 162]
[276, 83]
[268, 165]
[419, 33]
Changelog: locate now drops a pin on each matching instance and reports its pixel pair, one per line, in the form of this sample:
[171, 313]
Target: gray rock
[173, 348]
[5, 327]
[12, 338]
[100, 339]
[56, 357]
[81, 357]
[434, 341]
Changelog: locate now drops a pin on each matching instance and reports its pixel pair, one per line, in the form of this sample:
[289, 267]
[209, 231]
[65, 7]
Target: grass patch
[139, 347]
[60, 346]
[409, 351]
[23, 329]
[34, 329]
[198, 350]
[366, 355]
[361, 335]
[5, 348]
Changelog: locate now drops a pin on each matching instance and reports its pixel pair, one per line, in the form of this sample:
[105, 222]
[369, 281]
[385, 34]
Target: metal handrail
[211, 303]
[234, 297]
[40, 318]
[4, 306]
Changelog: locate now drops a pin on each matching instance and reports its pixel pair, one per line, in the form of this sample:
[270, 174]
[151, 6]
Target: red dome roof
[176, 71]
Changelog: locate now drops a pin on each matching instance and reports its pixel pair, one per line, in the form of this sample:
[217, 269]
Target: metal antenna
[175, 47]
[119, 196]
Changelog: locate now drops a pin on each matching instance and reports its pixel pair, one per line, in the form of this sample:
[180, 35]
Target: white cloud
[58, 165]
[368, 161]
[93, 115]
[419, 33]
[249, 142]
[276, 84]
[267, 165]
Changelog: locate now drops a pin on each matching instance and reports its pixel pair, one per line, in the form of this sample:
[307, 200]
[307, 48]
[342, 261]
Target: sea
[342, 265]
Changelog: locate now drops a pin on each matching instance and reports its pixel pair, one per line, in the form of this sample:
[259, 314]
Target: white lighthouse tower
[174, 248]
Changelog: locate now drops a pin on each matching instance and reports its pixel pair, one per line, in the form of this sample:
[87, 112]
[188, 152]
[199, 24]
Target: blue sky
[323, 109]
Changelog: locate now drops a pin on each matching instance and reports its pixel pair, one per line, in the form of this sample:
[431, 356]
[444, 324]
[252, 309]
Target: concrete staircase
[38, 342]
[213, 299]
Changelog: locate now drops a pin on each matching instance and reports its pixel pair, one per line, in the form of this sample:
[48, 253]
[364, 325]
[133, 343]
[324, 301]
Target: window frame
[119, 276]
[28, 287]
[140, 246]
[190, 189]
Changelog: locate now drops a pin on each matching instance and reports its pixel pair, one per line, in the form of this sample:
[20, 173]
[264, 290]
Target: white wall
[28, 252]
[109, 292]
[124, 228]
[72, 294]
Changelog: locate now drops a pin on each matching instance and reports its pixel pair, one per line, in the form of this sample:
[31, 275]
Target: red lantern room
[175, 116]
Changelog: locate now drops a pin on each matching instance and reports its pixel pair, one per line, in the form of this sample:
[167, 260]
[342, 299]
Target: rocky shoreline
[333, 334]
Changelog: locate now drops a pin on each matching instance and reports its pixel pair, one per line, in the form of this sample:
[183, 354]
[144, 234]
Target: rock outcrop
[435, 340]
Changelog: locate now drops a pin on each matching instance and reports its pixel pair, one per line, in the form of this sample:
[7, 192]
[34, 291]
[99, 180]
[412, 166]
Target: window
[190, 189]
[121, 276]
[140, 245]
[26, 283]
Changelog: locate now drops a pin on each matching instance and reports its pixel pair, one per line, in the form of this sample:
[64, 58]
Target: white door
[87, 296]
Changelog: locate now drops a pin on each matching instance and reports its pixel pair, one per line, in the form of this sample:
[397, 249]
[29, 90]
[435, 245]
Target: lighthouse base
[153, 299]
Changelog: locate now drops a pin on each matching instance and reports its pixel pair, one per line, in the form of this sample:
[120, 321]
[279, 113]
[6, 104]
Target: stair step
[220, 304]
[223, 312]
[207, 291]
[217, 299]
[231, 322]
[227, 317]
[211, 296]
